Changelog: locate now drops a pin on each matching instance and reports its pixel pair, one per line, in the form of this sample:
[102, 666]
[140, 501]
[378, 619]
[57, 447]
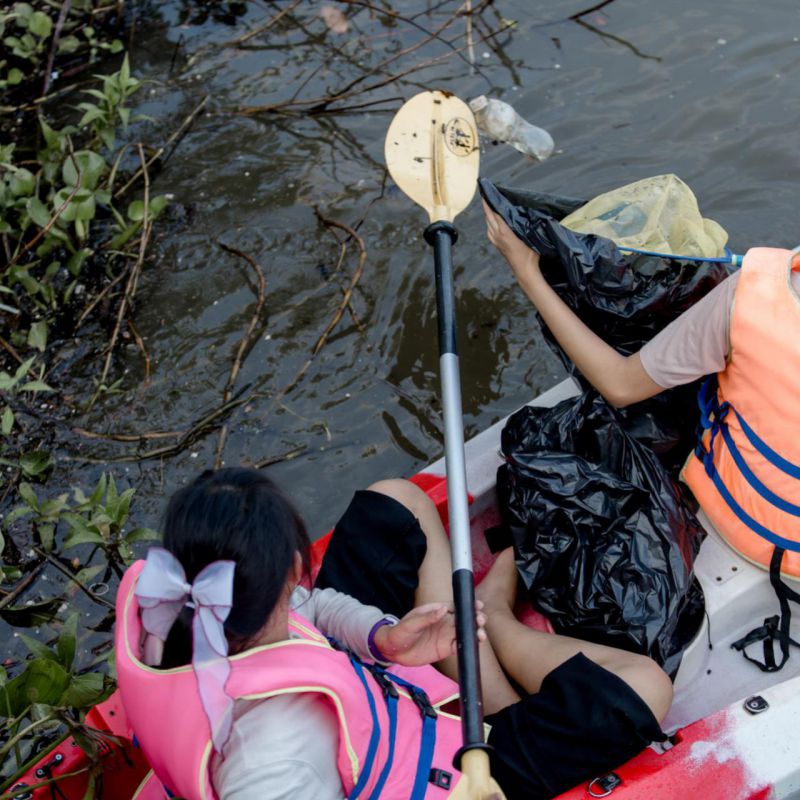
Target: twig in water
[348, 293]
[133, 277]
[205, 424]
[128, 437]
[21, 586]
[292, 454]
[268, 24]
[140, 344]
[470, 44]
[74, 578]
[91, 306]
[173, 139]
[246, 340]
[618, 39]
[62, 18]
[11, 350]
[595, 7]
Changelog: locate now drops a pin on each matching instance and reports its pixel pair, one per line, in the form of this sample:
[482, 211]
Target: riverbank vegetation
[76, 215]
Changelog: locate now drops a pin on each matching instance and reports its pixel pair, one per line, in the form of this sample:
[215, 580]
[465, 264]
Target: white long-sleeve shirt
[285, 747]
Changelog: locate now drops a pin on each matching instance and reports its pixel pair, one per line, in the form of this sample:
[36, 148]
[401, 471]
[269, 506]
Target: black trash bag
[625, 299]
[603, 543]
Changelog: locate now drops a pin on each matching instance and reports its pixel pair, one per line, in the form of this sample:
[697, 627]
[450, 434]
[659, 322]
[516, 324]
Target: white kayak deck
[738, 597]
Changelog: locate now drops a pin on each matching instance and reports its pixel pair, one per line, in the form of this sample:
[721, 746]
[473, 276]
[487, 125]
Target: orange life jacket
[745, 472]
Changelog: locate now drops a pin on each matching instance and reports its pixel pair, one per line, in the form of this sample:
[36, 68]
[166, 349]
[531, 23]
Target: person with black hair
[235, 548]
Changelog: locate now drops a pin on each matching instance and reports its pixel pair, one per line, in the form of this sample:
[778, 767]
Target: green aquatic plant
[98, 519]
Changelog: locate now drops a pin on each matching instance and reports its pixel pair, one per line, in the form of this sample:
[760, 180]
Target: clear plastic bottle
[500, 121]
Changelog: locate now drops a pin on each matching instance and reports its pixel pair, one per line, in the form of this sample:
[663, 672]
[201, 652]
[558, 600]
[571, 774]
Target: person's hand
[425, 635]
[523, 260]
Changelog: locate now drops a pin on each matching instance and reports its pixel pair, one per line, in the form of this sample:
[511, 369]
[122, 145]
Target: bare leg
[435, 586]
[528, 655]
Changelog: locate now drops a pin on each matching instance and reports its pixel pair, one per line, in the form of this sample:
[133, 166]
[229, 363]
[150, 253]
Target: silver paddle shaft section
[457, 504]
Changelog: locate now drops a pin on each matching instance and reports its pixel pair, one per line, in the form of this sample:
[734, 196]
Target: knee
[405, 492]
[653, 685]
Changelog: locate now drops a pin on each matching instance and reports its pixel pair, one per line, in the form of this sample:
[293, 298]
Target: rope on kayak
[734, 260]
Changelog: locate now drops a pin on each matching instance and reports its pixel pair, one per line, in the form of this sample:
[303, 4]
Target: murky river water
[708, 90]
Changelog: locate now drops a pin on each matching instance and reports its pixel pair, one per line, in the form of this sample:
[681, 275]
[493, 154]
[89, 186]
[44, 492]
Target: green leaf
[7, 421]
[99, 490]
[91, 166]
[84, 691]
[37, 335]
[136, 210]
[34, 464]
[121, 508]
[39, 649]
[23, 10]
[31, 616]
[15, 76]
[85, 536]
[40, 24]
[67, 642]
[22, 183]
[23, 368]
[142, 535]
[68, 44]
[18, 513]
[37, 211]
[125, 71]
[91, 113]
[28, 496]
[44, 682]
[47, 536]
[36, 386]
[158, 204]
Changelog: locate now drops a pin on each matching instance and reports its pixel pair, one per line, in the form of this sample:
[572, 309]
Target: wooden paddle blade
[432, 153]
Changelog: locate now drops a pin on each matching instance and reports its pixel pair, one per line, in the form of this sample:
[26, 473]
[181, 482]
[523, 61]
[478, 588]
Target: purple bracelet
[373, 648]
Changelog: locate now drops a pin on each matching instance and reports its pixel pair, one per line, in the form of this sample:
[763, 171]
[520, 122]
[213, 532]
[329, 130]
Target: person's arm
[622, 380]
[425, 635]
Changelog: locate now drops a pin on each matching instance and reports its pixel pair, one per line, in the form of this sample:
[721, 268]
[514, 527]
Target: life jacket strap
[712, 418]
[776, 628]
[386, 681]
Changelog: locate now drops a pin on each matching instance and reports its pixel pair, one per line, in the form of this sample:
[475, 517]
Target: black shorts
[582, 723]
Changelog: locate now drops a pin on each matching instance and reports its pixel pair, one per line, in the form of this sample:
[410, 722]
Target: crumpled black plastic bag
[625, 299]
[603, 543]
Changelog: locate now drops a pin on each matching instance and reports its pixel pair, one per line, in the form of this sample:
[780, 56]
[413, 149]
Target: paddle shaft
[441, 235]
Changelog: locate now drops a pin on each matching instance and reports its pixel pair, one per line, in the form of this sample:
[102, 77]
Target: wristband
[373, 648]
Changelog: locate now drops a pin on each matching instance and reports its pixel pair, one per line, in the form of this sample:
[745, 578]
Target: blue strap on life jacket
[374, 737]
[427, 739]
[385, 681]
[390, 694]
[712, 417]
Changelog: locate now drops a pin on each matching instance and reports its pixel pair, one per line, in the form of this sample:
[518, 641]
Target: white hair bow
[162, 591]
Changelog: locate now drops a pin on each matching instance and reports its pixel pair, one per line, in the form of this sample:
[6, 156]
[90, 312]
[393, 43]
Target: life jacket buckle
[422, 702]
[383, 680]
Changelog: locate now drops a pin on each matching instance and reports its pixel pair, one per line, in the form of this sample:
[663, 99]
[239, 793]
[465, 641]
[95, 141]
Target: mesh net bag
[658, 213]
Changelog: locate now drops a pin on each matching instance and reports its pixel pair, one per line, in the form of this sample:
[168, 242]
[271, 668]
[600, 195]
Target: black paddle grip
[442, 235]
[468, 663]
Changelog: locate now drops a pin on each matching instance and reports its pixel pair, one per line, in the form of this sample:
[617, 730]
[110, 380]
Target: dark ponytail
[235, 514]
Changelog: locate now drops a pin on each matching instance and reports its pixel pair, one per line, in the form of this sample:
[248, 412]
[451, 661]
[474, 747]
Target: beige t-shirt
[698, 342]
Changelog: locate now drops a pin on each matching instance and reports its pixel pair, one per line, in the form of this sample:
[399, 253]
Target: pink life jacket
[394, 742]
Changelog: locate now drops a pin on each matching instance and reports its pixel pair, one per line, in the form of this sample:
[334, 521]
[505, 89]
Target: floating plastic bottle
[500, 121]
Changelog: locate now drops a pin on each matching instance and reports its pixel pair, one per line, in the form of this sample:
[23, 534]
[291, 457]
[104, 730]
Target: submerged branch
[133, 277]
[246, 341]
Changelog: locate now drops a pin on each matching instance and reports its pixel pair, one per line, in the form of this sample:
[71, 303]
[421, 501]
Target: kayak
[733, 729]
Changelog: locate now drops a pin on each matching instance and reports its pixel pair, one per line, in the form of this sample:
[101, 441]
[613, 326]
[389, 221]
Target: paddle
[432, 154]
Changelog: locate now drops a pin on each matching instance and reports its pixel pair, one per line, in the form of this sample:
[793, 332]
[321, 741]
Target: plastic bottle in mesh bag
[500, 121]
